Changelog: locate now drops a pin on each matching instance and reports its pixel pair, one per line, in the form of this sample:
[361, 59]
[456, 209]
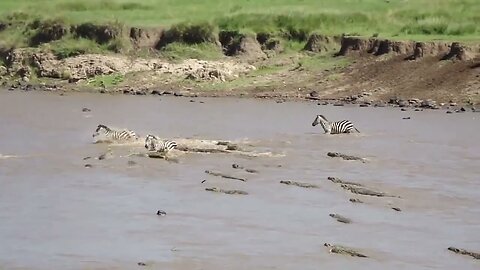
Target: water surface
[57, 214]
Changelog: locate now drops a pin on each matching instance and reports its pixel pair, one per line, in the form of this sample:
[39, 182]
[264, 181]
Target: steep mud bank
[414, 50]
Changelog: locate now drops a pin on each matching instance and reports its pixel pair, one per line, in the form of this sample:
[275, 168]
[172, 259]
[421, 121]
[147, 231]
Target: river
[57, 214]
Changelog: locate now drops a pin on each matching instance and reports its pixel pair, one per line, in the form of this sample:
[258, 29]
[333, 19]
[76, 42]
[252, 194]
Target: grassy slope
[421, 19]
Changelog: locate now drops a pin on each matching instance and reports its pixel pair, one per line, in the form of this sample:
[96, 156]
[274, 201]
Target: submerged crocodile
[365, 191]
[340, 181]
[345, 157]
[344, 251]
[461, 251]
[225, 191]
[298, 184]
[225, 175]
[341, 218]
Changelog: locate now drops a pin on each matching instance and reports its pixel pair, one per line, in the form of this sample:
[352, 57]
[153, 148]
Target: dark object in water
[225, 176]
[397, 209]
[201, 150]
[364, 191]
[461, 251]
[161, 213]
[341, 218]
[86, 110]
[298, 184]
[355, 200]
[232, 147]
[344, 250]
[236, 166]
[345, 157]
[229, 192]
[223, 143]
[340, 181]
[406, 118]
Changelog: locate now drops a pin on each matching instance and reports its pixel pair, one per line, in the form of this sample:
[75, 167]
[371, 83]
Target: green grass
[399, 18]
[72, 47]
[322, 62]
[178, 51]
[106, 80]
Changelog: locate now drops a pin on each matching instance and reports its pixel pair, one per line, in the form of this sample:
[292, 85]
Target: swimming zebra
[152, 143]
[343, 126]
[115, 135]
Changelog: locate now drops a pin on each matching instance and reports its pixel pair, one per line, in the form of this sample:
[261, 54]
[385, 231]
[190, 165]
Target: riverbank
[367, 72]
[404, 61]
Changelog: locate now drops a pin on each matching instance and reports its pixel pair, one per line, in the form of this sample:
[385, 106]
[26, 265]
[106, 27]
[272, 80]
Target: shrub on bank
[189, 34]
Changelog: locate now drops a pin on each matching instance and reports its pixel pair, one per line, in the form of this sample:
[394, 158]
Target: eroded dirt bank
[372, 71]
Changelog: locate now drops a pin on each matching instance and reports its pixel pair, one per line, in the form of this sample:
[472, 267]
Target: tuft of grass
[82, 6]
[106, 80]
[294, 26]
[322, 61]
[189, 34]
[178, 51]
[70, 47]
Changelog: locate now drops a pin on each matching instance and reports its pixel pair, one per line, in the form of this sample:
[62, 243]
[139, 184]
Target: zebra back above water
[337, 127]
[115, 135]
[152, 143]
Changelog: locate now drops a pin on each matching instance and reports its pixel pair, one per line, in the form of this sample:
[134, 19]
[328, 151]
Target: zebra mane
[102, 126]
[149, 136]
[323, 117]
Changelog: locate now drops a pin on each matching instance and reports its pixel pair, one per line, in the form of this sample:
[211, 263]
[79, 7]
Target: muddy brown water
[57, 214]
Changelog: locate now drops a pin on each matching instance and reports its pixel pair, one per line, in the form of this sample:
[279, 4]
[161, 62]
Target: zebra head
[151, 142]
[318, 120]
[100, 128]
[322, 120]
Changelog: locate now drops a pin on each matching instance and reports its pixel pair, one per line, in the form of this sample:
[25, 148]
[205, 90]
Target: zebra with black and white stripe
[343, 126]
[115, 135]
[152, 143]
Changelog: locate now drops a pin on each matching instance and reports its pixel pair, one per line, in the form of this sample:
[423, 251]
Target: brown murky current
[57, 214]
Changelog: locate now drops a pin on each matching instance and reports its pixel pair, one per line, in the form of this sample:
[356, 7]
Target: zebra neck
[325, 125]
